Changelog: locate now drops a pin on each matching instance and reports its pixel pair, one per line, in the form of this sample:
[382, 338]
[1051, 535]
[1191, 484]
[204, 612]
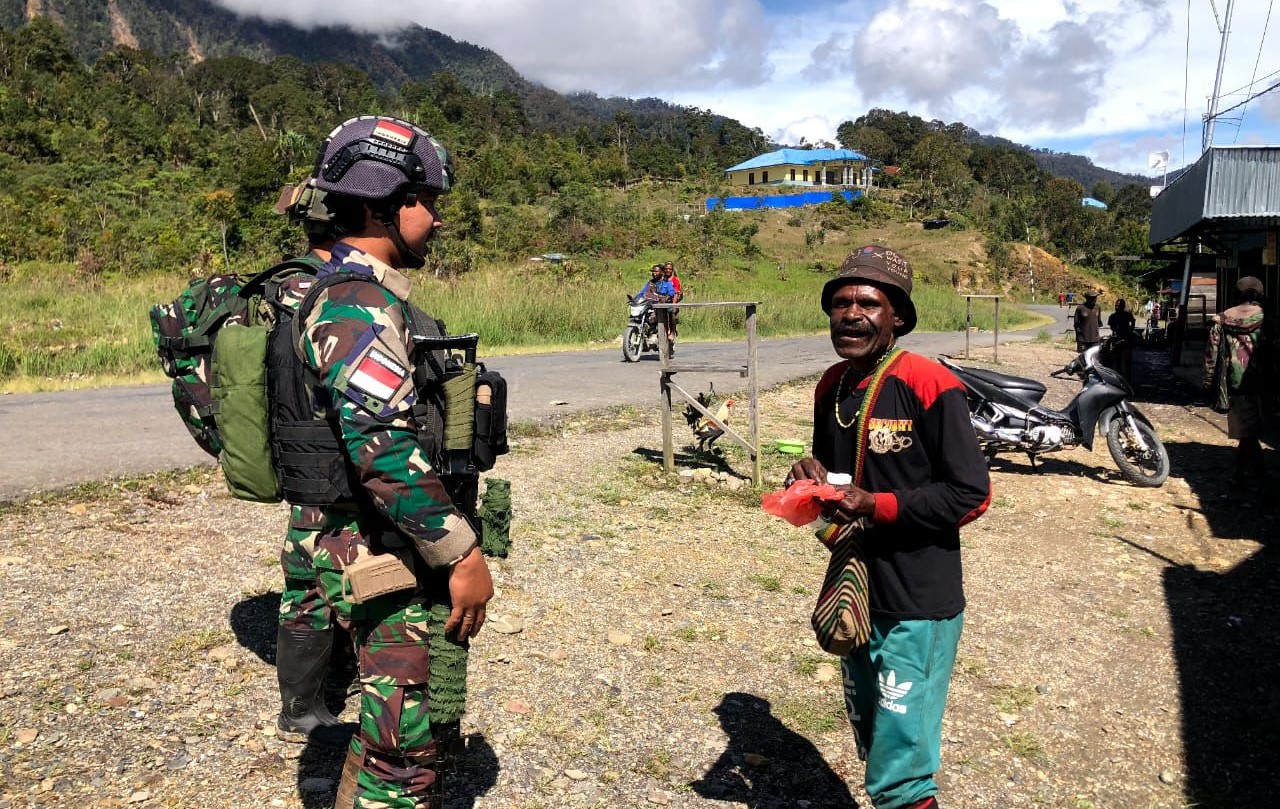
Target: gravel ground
[649, 643]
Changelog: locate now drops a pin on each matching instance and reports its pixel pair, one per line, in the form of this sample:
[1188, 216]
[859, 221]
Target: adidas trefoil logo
[891, 691]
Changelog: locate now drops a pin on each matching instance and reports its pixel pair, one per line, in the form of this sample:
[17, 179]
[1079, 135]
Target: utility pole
[1031, 270]
[1209, 120]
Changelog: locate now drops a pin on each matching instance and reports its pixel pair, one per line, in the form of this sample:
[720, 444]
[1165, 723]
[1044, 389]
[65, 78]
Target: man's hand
[470, 588]
[857, 503]
[807, 469]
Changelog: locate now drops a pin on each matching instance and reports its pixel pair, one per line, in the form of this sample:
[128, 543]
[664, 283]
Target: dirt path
[50, 440]
[1119, 650]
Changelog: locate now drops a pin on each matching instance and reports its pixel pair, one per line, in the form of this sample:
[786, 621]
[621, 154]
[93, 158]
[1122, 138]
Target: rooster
[704, 429]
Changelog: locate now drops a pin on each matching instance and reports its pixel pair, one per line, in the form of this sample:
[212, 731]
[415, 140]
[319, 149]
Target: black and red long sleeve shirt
[926, 471]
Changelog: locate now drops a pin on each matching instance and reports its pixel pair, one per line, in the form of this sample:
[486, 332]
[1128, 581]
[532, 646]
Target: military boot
[302, 660]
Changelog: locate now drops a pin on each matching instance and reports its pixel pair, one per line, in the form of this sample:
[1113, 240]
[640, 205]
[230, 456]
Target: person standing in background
[1088, 322]
[1234, 376]
[1122, 327]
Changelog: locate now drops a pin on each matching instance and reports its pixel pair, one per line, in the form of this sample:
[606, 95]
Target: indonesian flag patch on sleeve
[378, 375]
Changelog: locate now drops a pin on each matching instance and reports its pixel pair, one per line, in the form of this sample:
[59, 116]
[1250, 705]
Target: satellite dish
[1157, 160]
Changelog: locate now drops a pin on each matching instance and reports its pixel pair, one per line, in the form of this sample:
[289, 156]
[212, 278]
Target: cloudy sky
[1104, 78]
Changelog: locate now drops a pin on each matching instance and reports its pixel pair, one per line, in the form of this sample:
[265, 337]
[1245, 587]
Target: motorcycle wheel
[1149, 467]
[632, 344]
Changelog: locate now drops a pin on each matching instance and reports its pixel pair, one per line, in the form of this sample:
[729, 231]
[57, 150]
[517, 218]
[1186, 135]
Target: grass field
[59, 331]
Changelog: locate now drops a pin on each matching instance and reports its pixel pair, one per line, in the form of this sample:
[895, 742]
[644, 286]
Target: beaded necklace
[840, 387]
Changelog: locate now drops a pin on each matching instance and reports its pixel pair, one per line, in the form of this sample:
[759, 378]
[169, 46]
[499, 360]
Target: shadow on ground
[1226, 639]
[790, 766]
[254, 622]
[687, 458]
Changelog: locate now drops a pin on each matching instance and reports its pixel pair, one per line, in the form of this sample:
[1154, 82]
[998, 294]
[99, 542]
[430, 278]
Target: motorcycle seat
[1018, 386]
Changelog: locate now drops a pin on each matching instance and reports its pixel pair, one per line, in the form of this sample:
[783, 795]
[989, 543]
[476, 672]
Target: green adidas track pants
[895, 690]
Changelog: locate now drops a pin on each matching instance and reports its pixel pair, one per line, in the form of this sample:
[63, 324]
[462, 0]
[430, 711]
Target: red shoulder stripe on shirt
[829, 380]
[927, 378]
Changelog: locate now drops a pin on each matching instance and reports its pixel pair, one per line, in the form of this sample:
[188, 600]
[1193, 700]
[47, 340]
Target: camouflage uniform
[356, 338]
[301, 605]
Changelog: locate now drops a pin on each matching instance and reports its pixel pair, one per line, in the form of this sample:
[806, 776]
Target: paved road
[50, 440]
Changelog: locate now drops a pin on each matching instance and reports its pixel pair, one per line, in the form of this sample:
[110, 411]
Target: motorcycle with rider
[642, 333]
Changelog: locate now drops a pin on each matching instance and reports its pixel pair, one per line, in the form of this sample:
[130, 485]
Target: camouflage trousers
[301, 604]
[412, 679]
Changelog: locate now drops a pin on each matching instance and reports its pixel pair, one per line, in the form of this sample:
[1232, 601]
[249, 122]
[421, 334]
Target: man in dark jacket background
[923, 477]
[1088, 322]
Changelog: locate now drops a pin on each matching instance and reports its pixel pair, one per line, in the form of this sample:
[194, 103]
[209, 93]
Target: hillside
[1072, 166]
[203, 30]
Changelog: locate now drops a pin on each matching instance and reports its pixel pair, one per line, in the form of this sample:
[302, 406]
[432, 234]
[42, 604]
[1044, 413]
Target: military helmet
[373, 157]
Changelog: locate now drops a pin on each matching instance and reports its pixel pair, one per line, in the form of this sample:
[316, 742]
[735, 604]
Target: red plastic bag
[801, 502]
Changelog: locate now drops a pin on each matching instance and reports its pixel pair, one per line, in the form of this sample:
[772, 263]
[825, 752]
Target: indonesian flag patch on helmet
[393, 132]
[378, 375]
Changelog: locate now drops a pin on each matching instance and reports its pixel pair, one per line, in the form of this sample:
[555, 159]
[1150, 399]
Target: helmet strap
[408, 257]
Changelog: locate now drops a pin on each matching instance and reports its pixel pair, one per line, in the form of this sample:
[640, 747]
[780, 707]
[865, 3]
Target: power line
[1186, 79]
[1221, 113]
[1246, 87]
[1266, 24]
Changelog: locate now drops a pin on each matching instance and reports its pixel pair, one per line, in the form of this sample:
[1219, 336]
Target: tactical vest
[313, 465]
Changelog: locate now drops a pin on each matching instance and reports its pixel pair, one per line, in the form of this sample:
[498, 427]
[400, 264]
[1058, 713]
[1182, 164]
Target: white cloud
[1108, 73]
[569, 45]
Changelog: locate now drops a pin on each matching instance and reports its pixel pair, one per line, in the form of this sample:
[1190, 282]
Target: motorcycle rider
[650, 287]
[677, 295]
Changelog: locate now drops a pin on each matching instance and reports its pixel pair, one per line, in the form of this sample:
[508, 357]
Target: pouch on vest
[475, 405]
[490, 439]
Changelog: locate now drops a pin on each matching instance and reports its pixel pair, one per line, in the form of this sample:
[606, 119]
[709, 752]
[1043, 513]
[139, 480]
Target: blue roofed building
[803, 167]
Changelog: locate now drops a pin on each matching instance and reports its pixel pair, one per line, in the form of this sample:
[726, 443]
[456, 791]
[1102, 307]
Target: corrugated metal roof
[797, 157]
[1240, 184]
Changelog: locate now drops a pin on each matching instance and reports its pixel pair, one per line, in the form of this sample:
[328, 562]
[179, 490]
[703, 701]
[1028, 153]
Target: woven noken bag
[842, 618]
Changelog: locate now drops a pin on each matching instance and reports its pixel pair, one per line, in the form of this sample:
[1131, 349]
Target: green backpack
[213, 340]
[183, 331]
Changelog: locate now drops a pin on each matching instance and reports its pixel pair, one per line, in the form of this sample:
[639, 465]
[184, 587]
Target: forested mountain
[200, 30]
[143, 160]
[905, 130]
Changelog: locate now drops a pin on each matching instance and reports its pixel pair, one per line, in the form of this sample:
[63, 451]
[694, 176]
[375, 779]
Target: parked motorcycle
[1007, 415]
[642, 328]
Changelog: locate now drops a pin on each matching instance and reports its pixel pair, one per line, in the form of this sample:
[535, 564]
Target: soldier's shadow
[254, 622]
[767, 765]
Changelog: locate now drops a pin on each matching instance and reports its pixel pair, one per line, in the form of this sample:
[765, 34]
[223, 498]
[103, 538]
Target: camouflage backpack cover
[183, 331]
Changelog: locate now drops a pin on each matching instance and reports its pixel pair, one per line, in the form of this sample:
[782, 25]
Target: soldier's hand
[470, 588]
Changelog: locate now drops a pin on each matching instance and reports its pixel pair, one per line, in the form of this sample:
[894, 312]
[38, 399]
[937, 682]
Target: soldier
[382, 177]
[304, 637]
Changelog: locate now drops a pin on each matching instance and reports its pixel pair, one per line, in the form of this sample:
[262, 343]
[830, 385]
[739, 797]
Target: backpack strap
[256, 285]
[308, 303]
